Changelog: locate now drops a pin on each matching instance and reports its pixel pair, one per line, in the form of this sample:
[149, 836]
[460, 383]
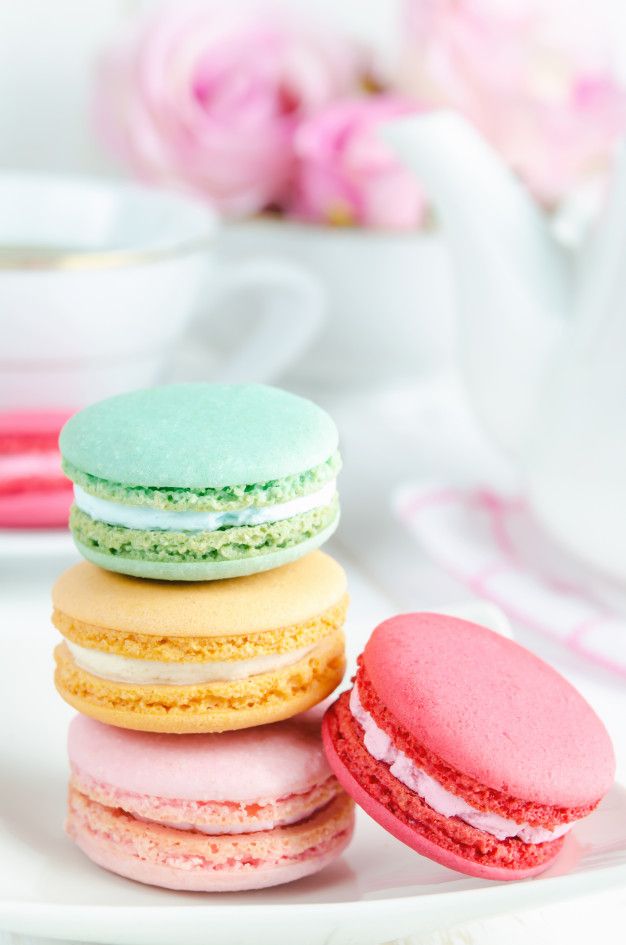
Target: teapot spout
[512, 280]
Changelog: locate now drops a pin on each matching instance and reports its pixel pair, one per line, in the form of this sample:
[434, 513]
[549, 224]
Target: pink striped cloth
[490, 543]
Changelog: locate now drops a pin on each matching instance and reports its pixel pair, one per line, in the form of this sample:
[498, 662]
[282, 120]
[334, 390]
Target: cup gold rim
[21, 258]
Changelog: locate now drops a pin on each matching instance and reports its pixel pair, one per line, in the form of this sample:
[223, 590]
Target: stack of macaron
[203, 620]
[204, 628]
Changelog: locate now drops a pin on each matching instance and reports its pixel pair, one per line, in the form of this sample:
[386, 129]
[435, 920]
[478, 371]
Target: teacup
[390, 311]
[101, 280]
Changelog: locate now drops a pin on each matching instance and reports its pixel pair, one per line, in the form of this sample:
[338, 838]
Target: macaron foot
[209, 707]
[205, 570]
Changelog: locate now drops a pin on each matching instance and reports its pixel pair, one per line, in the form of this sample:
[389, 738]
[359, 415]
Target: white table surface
[387, 440]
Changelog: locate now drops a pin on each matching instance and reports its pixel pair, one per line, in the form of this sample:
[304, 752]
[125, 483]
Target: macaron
[203, 657]
[467, 747]
[193, 482]
[34, 493]
[211, 813]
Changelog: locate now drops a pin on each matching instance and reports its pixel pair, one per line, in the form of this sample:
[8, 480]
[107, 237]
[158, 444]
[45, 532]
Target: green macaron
[196, 482]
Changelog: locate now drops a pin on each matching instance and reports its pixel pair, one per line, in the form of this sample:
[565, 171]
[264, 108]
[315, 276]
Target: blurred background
[411, 211]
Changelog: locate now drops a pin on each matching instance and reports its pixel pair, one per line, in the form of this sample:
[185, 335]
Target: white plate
[34, 543]
[378, 891]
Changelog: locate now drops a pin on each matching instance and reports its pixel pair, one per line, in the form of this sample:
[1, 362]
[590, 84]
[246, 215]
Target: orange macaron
[165, 656]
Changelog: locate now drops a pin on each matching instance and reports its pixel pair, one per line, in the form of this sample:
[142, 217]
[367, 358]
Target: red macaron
[34, 492]
[467, 747]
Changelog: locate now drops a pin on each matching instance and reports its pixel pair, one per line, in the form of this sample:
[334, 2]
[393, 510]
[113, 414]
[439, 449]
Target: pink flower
[535, 78]
[207, 97]
[346, 175]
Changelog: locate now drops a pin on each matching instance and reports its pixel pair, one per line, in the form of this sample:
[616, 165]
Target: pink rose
[346, 175]
[207, 96]
[535, 78]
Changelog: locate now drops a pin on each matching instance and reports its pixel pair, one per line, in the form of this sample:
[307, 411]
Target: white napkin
[489, 543]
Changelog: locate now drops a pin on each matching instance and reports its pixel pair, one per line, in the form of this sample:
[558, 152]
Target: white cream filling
[31, 464]
[380, 746]
[145, 519]
[127, 669]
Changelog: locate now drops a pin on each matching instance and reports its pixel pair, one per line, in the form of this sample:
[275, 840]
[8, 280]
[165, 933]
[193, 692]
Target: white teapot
[542, 332]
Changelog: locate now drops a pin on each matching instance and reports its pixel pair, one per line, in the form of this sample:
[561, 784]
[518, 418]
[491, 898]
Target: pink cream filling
[380, 746]
[272, 849]
[213, 818]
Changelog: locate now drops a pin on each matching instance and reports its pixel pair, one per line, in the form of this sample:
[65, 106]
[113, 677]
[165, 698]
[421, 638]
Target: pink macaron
[210, 813]
[467, 747]
[34, 492]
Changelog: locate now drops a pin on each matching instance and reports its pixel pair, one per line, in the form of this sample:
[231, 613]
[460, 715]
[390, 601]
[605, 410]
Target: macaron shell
[173, 859]
[212, 707]
[218, 881]
[166, 436]
[281, 759]
[401, 831]
[254, 604]
[229, 649]
[206, 570]
[491, 709]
